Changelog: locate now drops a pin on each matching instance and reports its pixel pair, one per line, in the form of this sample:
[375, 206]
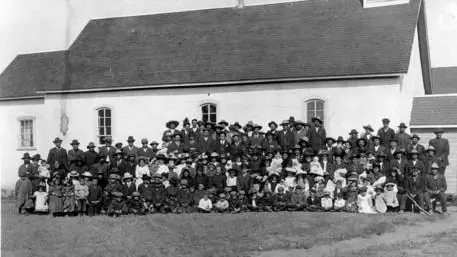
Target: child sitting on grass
[326, 202]
[340, 203]
[390, 197]
[205, 205]
[379, 202]
[313, 202]
[117, 206]
[222, 204]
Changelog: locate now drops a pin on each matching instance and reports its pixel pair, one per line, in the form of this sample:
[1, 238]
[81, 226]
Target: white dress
[41, 199]
[139, 172]
[365, 204]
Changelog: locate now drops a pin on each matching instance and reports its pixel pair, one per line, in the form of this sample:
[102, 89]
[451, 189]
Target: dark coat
[381, 149]
[432, 184]
[206, 146]
[145, 152]
[256, 140]
[74, 155]
[442, 149]
[386, 136]
[128, 190]
[419, 164]
[122, 166]
[59, 155]
[404, 139]
[91, 158]
[236, 149]
[414, 186]
[419, 148]
[219, 181]
[244, 182]
[316, 138]
[222, 148]
[147, 192]
[24, 171]
[300, 135]
[107, 152]
[286, 140]
[402, 165]
[174, 147]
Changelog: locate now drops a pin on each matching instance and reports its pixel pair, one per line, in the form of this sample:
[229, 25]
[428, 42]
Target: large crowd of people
[207, 167]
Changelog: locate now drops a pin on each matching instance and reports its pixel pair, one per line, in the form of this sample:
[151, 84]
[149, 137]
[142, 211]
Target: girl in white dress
[41, 199]
[140, 170]
[365, 202]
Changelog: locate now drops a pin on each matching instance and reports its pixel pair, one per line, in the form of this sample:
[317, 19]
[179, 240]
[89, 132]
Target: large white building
[127, 76]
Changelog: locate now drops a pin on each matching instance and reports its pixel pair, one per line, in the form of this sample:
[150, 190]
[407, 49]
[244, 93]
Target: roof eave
[432, 126]
[21, 98]
[225, 83]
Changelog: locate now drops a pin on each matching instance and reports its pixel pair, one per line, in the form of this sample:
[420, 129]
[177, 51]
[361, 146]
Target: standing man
[274, 130]
[206, 142]
[353, 138]
[436, 186]
[376, 147]
[403, 138]
[90, 155]
[285, 137]
[385, 133]
[171, 125]
[441, 146]
[368, 135]
[26, 169]
[256, 139]
[195, 130]
[414, 145]
[76, 154]
[130, 149]
[222, 146]
[317, 134]
[145, 150]
[108, 150]
[300, 132]
[59, 154]
[176, 146]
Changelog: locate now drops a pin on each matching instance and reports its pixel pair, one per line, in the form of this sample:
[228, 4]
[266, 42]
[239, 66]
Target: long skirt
[55, 204]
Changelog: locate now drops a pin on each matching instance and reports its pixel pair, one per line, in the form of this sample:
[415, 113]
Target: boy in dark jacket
[280, 201]
[171, 197]
[94, 198]
[185, 198]
[146, 191]
[313, 202]
[117, 206]
[158, 195]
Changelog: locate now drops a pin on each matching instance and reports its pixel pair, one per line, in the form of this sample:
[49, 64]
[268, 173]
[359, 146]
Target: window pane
[108, 121]
[101, 131]
[108, 131]
[213, 118]
[204, 109]
[101, 122]
[320, 104]
[213, 108]
[107, 112]
[101, 113]
[31, 140]
[204, 117]
[320, 114]
[310, 105]
[101, 140]
[309, 115]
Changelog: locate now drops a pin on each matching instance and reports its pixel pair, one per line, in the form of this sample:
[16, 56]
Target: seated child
[117, 206]
[222, 204]
[136, 204]
[234, 203]
[365, 202]
[380, 205]
[184, 198]
[244, 201]
[390, 197]
[351, 195]
[315, 167]
[205, 205]
[313, 203]
[340, 203]
[266, 202]
[326, 202]
[41, 198]
[297, 200]
[280, 201]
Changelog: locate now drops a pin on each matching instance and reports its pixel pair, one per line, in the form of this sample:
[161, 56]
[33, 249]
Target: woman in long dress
[56, 196]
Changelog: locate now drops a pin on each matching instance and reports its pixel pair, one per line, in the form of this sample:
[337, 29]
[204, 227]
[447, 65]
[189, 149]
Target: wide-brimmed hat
[328, 139]
[439, 130]
[415, 136]
[434, 166]
[127, 176]
[402, 125]
[249, 124]
[353, 131]
[385, 120]
[154, 143]
[118, 144]
[172, 122]
[74, 173]
[119, 151]
[285, 122]
[26, 156]
[361, 139]
[144, 141]
[431, 149]
[144, 158]
[340, 139]
[414, 151]
[238, 125]
[91, 145]
[223, 122]
[375, 137]
[214, 155]
[36, 157]
[256, 126]
[299, 122]
[130, 139]
[272, 123]
[86, 174]
[313, 119]
[399, 150]
[57, 140]
[74, 142]
[368, 127]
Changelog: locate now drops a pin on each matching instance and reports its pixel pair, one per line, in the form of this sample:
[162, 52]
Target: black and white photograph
[238, 128]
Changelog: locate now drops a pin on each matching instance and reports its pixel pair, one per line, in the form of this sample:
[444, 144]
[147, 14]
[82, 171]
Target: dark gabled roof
[444, 80]
[29, 73]
[434, 110]
[287, 41]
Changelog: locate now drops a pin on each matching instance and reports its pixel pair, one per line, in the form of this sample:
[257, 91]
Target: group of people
[207, 167]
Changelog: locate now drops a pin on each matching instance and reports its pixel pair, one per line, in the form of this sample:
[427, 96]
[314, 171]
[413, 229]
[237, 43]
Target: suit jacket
[402, 166]
[174, 147]
[286, 140]
[386, 136]
[145, 152]
[381, 149]
[128, 190]
[244, 182]
[206, 146]
[23, 171]
[130, 167]
[236, 149]
[389, 153]
[330, 168]
[419, 164]
[299, 135]
[432, 185]
[414, 186]
[419, 148]
[316, 138]
[127, 150]
[256, 140]
[222, 148]
[59, 155]
[91, 158]
[169, 130]
[442, 149]
[104, 151]
[369, 140]
[353, 142]
[273, 145]
[76, 155]
[122, 166]
[197, 133]
[403, 139]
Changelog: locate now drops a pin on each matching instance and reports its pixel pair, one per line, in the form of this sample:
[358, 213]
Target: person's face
[415, 140]
[402, 130]
[187, 126]
[74, 146]
[206, 133]
[285, 126]
[324, 157]
[194, 123]
[56, 164]
[361, 143]
[82, 181]
[338, 159]
[192, 140]
[205, 196]
[256, 130]
[218, 170]
[245, 138]
[236, 139]
[367, 131]
[434, 171]
[398, 155]
[298, 127]
[26, 161]
[222, 136]
[178, 138]
[430, 153]
[414, 156]
[94, 182]
[317, 123]
[118, 156]
[142, 163]
[130, 143]
[58, 144]
[172, 126]
[385, 124]
[132, 158]
[439, 135]
[375, 170]
[377, 141]
[112, 181]
[145, 144]
[354, 135]
[154, 146]
[272, 127]
[393, 144]
[168, 138]
[171, 163]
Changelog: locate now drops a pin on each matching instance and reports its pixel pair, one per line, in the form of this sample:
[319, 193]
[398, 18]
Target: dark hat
[381, 154]
[108, 139]
[119, 152]
[385, 120]
[330, 138]
[354, 155]
[146, 177]
[36, 157]
[185, 122]
[414, 151]
[399, 150]
[118, 144]
[74, 142]
[439, 130]
[353, 131]
[130, 139]
[415, 136]
[57, 140]
[340, 139]
[431, 149]
[272, 123]
[238, 125]
[199, 123]
[299, 122]
[177, 133]
[26, 156]
[249, 124]
[223, 122]
[368, 127]
[313, 119]
[154, 143]
[375, 137]
[402, 125]
[172, 122]
[91, 145]
[232, 128]
[285, 122]
[257, 126]
[361, 139]
[292, 119]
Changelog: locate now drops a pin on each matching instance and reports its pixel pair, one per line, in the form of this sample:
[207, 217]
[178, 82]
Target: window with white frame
[27, 132]
[314, 108]
[209, 112]
[104, 124]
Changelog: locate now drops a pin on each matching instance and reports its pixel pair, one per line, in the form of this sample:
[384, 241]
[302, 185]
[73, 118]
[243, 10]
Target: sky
[28, 26]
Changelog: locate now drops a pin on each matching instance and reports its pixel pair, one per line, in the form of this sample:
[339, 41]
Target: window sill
[26, 149]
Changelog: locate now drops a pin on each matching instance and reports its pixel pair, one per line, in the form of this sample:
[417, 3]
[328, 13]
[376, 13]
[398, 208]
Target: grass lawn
[187, 234]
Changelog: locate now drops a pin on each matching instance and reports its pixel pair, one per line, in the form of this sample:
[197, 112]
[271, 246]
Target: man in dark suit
[301, 131]
[403, 138]
[256, 140]
[171, 125]
[145, 150]
[59, 154]
[353, 138]
[118, 163]
[222, 147]
[399, 163]
[376, 147]
[243, 181]
[414, 145]
[75, 153]
[368, 135]
[414, 187]
[176, 146]
[326, 164]
[317, 134]
[107, 150]
[385, 133]
[415, 163]
[91, 155]
[130, 148]
[26, 169]
[206, 142]
[393, 148]
[195, 130]
[285, 137]
[236, 148]
[274, 129]
[441, 146]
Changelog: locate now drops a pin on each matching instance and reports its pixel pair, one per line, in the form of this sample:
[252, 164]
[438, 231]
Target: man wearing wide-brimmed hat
[415, 162]
[222, 146]
[402, 137]
[441, 146]
[130, 148]
[317, 134]
[108, 150]
[300, 131]
[385, 133]
[58, 153]
[90, 155]
[256, 139]
[75, 153]
[285, 137]
[414, 145]
[172, 127]
[145, 150]
[431, 158]
[206, 142]
[376, 146]
[435, 187]
[26, 168]
[119, 162]
[368, 134]
[177, 146]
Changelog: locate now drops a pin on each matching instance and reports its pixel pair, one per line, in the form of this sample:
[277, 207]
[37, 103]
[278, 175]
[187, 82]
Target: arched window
[209, 112]
[315, 108]
[104, 124]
